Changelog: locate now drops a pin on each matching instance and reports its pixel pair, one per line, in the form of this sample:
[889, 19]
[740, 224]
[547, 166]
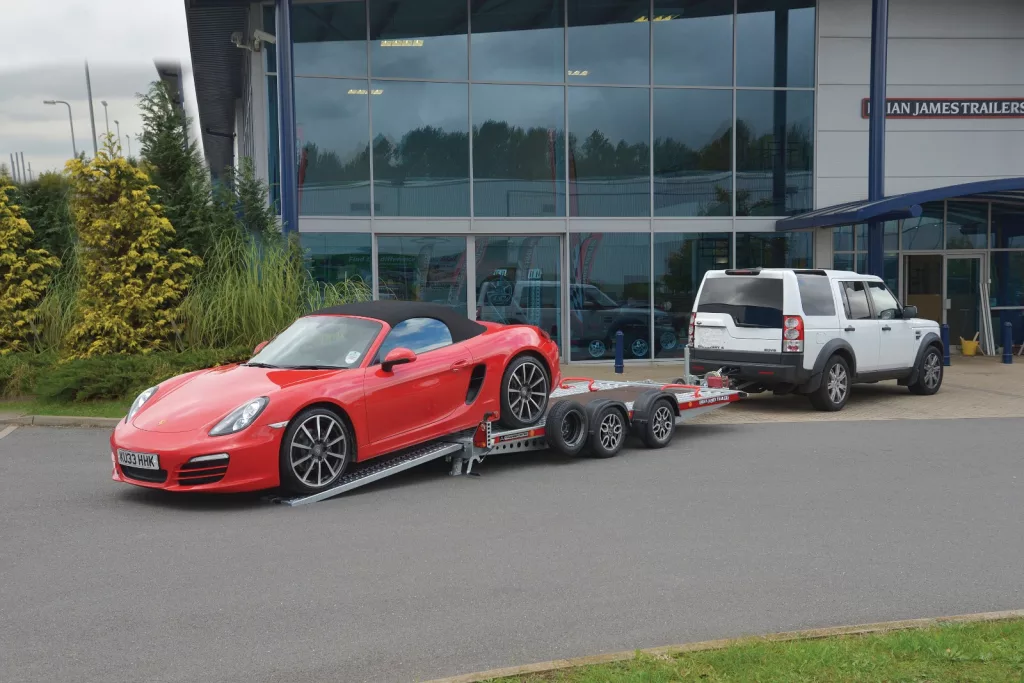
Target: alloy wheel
[527, 392]
[661, 424]
[932, 370]
[318, 451]
[611, 431]
[838, 384]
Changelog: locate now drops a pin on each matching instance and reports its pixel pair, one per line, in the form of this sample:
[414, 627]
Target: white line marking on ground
[7, 430]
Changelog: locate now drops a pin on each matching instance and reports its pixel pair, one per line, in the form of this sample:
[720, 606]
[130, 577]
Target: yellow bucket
[968, 347]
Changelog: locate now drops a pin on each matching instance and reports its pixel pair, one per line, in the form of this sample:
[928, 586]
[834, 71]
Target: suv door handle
[458, 365]
[850, 329]
[886, 328]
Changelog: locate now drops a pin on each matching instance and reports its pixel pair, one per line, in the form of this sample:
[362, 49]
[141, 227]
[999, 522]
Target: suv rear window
[816, 295]
[751, 301]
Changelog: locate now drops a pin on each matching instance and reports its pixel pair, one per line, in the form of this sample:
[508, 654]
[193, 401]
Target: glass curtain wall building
[575, 164]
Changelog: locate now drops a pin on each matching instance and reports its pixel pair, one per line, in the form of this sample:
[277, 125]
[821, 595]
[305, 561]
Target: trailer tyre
[660, 425]
[567, 427]
[608, 429]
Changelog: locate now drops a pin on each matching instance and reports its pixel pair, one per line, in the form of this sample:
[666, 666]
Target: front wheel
[525, 391]
[316, 450]
[834, 391]
[929, 374]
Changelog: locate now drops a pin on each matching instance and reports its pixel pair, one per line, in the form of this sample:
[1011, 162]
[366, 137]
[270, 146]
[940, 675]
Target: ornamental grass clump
[25, 273]
[133, 281]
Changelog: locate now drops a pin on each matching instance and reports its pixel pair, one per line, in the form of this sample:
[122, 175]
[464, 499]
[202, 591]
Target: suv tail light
[793, 334]
[689, 334]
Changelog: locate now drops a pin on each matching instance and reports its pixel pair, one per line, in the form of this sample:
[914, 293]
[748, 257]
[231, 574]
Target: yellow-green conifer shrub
[25, 274]
[133, 282]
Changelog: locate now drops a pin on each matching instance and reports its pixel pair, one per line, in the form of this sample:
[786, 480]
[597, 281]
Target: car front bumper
[251, 463]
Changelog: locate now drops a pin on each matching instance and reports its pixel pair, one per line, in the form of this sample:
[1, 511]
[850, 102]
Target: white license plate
[710, 338]
[144, 461]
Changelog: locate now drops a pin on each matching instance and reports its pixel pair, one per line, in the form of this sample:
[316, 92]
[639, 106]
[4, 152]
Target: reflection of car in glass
[596, 317]
[339, 386]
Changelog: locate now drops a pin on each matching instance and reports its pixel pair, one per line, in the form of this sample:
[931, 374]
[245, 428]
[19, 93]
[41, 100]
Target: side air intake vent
[476, 380]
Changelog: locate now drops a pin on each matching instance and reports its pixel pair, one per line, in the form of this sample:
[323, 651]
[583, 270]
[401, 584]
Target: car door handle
[851, 329]
[459, 365]
[886, 328]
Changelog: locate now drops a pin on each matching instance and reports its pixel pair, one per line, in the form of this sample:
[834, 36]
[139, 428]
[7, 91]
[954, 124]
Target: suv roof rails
[810, 271]
[744, 271]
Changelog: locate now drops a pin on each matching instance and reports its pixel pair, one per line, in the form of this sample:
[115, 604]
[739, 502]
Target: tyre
[834, 390]
[567, 427]
[525, 390]
[608, 429]
[316, 450]
[929, 373]
[661, 424]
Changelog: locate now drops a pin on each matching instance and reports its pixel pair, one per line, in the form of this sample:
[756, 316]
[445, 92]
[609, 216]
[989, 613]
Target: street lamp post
[106, 120]
[71, 120]
[92, 116]
[118, 124]
[128, 139]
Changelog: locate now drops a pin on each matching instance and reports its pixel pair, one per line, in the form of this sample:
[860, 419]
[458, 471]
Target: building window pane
[518, 41]
[270, 26]
[606, 42]
[966, 225]
[1016, 320]
[693, 42]
[335, 257]
[273, 150]
[924, 233]
[519, 280]
[774, 152]
[1007, 226]
[1008, 279]
[680, 261]
[774, 249]
[890, 236]
[422, 268]
[332, 124]
[692, 152]
[519, 150]
[420, 148]
[891, 269]
[330, 39]
[775, 43]
[609, 162]
[419, 39]
[857, 263]
[610, 291]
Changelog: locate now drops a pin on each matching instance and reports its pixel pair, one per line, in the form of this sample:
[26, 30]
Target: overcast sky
[45, 45]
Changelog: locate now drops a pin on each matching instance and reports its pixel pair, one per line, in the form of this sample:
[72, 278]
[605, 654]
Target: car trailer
[584, 414]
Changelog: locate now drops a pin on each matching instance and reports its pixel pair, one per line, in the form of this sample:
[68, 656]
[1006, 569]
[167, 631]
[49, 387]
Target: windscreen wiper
[314, 367]
[259, 365]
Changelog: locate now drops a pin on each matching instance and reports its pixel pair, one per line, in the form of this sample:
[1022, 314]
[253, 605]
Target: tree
[175, 166]
[45, 204]
[25, 273]
[133, 276]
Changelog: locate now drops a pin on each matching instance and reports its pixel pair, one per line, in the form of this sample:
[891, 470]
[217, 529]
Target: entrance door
[923, 285]
[963, 297]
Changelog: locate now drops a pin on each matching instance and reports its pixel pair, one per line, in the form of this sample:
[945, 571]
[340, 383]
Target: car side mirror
[259, 347]
[395, 357]
[910, 311]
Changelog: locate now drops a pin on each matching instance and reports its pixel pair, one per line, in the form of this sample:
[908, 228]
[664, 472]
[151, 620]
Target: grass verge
[992, 652]
[80, 409]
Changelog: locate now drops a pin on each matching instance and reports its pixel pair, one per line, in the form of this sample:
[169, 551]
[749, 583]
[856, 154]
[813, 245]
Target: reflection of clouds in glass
[755, 49]
[620, 114]
[693, 117]
[326, 115]
[535, 55]
[695, 51]
[615, 53]
[439, 57]
[406, 106]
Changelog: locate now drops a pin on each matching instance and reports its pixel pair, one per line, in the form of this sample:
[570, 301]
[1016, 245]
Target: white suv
[811, 332]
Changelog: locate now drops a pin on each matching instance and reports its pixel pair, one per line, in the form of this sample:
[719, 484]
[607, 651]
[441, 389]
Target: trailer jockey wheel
[567, 427]
[608, 428]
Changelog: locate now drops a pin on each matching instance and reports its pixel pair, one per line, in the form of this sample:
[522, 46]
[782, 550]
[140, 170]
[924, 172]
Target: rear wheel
[834, 391]
[316, 450]
[566, 427]
[525, 391]
[661, 425]
[929, 374]
[608, 431]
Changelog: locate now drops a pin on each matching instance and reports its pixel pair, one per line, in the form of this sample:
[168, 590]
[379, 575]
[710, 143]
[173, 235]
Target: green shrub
[123, 377]
[20, 371]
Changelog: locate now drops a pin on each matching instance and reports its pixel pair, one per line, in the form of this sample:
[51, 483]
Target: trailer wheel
[660, 425]
[567, 427]
[608, 429]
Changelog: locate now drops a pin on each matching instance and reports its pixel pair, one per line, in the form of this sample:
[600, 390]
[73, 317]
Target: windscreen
[752, 301]
[320, 341]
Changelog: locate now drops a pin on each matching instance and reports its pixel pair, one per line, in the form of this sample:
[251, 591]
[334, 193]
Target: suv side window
[816, 295]
[855, 301]
[419, 335]
[886, 306]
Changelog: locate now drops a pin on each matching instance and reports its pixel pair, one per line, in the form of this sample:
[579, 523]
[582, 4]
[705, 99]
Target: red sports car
[342, 385]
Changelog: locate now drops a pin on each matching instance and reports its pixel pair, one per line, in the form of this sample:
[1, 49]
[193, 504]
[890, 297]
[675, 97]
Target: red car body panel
[387, 411]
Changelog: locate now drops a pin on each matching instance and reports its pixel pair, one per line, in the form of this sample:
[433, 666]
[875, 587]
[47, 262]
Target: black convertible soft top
[393, 312]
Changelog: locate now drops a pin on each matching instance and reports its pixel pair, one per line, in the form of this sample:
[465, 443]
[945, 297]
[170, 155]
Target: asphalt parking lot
[734, 529]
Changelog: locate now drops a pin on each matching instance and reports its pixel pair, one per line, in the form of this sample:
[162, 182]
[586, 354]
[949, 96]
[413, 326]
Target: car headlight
[241, 417]
[139, 402]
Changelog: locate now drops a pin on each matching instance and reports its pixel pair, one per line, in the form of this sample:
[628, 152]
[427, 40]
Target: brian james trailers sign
[949, 108]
